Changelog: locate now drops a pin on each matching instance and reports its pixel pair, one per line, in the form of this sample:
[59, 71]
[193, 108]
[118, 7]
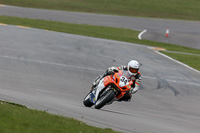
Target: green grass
[119, 34]
[81, 29]
[190, 60]
[19, 119]
[174, 9]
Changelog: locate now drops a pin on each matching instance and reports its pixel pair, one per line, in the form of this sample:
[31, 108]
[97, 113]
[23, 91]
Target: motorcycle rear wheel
[105, 99]
[87, 102]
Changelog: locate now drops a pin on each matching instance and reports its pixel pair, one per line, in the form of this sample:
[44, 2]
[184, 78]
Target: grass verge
[126, 35]
[16, 118]
[190, 60]
[175, 9]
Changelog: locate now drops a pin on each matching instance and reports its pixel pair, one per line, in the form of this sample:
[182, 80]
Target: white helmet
[133, 67]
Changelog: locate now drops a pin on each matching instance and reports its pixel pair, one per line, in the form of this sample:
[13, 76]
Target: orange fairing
[117, 79]
[108, 80]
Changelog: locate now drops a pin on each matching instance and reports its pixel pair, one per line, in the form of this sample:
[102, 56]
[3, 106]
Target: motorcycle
[110, 88]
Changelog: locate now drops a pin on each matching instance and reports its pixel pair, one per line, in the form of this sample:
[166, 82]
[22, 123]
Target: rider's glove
[111, 70]
[134, 90]
[135, 87]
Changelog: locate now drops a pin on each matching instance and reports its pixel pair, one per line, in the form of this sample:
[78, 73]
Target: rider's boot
[127, 97]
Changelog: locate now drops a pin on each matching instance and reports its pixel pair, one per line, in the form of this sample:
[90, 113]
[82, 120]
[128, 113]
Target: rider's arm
[111, 70]
[135, 87]
[115, 69]
[122, 68]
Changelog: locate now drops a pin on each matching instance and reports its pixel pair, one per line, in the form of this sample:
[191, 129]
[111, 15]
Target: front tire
[87, 102]
[105, 99]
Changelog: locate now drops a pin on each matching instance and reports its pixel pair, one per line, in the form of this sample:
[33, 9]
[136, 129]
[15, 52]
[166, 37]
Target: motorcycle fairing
[119, 79]
[95, 93]
[92, 98]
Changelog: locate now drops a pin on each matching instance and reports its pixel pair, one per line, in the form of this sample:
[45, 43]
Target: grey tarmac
[53, 71]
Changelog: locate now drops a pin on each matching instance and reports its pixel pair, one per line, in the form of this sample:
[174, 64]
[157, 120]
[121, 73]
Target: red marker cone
[167, 33]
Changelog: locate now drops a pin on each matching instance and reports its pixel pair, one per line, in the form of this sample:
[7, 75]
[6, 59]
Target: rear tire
[87, 102]
[105, 99]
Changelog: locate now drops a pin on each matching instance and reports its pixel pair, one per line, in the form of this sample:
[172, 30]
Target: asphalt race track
[184, 33]
[53, 71]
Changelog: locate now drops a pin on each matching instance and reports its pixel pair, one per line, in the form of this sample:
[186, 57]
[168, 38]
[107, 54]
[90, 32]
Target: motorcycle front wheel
[105, 99]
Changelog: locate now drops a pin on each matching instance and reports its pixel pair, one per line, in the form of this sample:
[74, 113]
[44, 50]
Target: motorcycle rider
[131, 72]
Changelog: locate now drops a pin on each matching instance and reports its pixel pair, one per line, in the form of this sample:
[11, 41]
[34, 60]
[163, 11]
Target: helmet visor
[133, 70]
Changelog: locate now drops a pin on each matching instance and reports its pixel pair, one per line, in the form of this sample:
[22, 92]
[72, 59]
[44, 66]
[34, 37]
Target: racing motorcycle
[110, 88]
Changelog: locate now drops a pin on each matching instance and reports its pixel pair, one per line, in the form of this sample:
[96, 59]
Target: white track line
[50, 63]
[177, 61]
[141, 33]
[84, 68]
